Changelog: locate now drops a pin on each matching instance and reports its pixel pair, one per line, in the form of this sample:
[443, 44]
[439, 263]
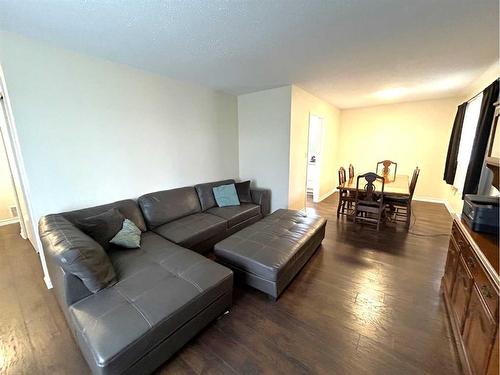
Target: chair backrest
[342, 176]
[386, 167]
[413, 182]
[351, 171]
[369, 189]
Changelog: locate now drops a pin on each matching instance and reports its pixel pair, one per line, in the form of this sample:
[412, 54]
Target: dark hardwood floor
[366, 303]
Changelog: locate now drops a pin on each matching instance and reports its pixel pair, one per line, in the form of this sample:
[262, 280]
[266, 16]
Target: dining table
[394, 186]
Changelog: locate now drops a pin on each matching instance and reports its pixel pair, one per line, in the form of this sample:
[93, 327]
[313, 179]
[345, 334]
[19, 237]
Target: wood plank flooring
[366, 303]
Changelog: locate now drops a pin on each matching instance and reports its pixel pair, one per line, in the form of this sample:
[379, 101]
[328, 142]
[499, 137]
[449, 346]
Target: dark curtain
[490, 96]
[450, 167]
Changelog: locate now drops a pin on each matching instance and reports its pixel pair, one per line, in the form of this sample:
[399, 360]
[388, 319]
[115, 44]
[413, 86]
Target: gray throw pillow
[129, 236]
[243, 190]
[102, 227]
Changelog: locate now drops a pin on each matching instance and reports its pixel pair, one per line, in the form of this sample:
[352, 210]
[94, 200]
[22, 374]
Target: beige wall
[7, 197]
[412, 134]
[303, 104]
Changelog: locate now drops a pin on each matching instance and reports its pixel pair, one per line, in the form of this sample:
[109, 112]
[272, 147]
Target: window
[466, 140]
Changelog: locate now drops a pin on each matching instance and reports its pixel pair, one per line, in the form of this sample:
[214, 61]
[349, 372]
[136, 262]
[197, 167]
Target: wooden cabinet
[470, 288]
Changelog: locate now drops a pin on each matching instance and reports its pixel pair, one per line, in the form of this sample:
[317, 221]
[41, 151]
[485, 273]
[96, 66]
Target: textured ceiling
[350, 53]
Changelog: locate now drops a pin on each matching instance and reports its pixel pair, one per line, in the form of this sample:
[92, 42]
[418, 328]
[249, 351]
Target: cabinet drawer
[483, 283]
[458, 237]
[470, 259]
[488, 292]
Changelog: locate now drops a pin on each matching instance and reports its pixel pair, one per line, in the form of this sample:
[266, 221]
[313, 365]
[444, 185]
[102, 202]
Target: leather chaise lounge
[162, 293]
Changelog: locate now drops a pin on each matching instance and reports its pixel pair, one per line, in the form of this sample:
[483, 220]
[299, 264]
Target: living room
[147, 105]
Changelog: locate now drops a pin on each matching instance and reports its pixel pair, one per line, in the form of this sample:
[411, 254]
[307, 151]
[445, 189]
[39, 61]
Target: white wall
[302, 105]
[92, 131]
[264, 141]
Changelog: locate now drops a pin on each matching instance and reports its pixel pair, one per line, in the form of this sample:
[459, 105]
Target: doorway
[13, 168]
[314, 151]
[10, 146]
[9, 208]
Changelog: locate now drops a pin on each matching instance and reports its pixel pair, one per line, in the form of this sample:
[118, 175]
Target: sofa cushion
[77, 253]
[127, 207]
[193, 229]
[206, 194]
[103, 226]
[161, 287]
[165, 206]
[236, 214]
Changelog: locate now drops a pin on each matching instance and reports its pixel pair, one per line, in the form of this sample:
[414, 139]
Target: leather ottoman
[269, 253]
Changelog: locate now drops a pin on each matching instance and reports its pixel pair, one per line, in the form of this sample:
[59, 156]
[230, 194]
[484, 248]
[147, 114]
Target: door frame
[19, 219]
[319, 157]
[19, 176]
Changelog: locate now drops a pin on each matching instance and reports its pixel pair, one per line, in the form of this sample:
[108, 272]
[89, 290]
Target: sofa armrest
[67, 287]
[77, 264]
[262, 197]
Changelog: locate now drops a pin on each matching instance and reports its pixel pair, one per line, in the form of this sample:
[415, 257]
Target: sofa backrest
[165, 206]
[128, 207]
[206, 194]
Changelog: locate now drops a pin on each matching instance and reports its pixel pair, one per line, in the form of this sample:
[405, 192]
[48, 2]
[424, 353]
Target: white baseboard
[326, 195]
[435, 200]
[8, 221]
[48, 283]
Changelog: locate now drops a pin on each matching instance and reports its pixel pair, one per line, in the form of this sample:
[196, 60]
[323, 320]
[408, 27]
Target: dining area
[376, 198]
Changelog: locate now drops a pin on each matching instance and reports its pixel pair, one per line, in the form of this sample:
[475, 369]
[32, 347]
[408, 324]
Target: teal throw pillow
[226, 195]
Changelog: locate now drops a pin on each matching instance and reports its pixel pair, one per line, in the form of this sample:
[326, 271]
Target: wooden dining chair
[351, 171]
[346, 199]
[386, 168]
[369, 203]
[400, 208]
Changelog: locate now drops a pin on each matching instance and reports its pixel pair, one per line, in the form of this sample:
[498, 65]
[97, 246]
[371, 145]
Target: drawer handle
[464, 278]
[486, 291]
[470, 262]
[466, 286]
[483, 328]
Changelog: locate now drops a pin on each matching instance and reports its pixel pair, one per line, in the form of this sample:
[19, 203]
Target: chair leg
[338, 208]
[408, 216]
